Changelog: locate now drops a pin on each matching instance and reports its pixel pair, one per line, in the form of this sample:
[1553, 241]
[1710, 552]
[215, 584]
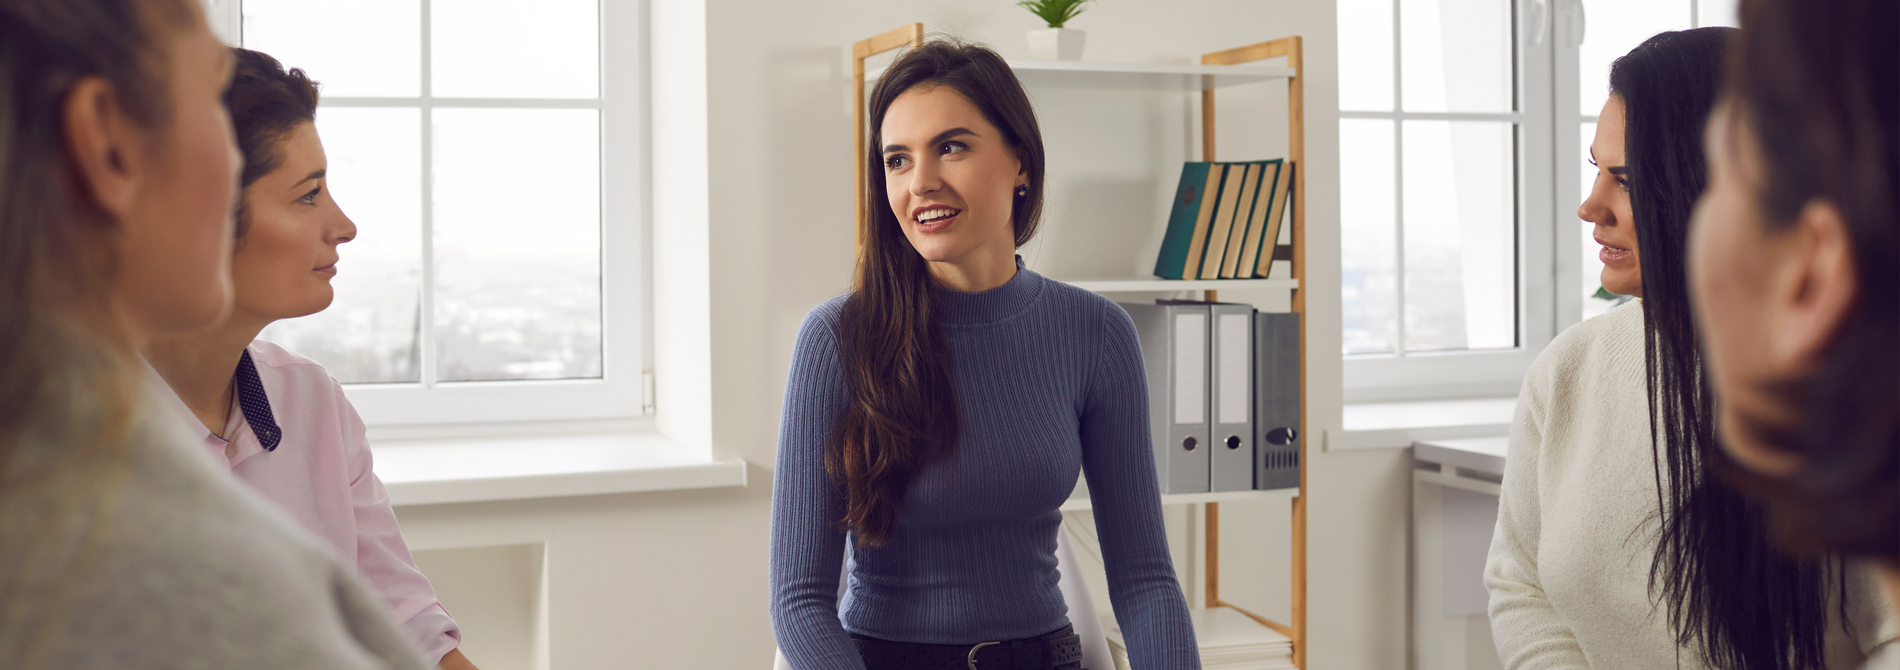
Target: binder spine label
[1233, 375]
[1190, 368]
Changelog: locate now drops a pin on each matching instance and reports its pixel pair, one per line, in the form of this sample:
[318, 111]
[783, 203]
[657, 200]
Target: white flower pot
[1056, 44]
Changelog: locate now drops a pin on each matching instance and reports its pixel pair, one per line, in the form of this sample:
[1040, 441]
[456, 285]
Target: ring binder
[1174, 349]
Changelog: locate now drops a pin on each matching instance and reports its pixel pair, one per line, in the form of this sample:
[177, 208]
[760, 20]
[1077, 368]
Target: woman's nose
[345, 232]
[1594, 208]
[925, 178]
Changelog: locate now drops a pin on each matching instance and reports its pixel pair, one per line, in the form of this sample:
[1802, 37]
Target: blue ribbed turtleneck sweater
[1049, 382]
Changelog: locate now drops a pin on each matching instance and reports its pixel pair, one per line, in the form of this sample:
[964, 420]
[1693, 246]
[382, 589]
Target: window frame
[1402, 375]
[623, 390]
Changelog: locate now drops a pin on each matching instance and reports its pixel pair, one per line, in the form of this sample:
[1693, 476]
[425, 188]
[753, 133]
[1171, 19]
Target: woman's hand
[454, 660]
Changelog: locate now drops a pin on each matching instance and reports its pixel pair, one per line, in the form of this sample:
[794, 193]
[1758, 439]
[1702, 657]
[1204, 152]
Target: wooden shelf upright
[1143, 77]
[1290, 49]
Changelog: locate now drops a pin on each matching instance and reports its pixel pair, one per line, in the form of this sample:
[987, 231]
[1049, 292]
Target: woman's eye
[311, 197]
[893, 162]
[953, 147]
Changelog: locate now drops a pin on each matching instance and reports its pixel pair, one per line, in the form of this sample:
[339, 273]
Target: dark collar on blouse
[256, 405]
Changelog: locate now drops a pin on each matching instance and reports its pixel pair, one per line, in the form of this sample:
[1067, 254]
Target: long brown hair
[1816, 84]
[69, 380]
[903, 411]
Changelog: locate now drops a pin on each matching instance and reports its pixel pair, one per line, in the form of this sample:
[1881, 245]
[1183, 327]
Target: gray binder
[1174, 348]
[1231, 345]
[1277, 400]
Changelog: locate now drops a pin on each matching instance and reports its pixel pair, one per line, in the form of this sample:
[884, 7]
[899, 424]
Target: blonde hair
[70, 382]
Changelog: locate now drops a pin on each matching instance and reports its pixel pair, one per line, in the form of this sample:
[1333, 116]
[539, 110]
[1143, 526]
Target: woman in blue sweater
[937, 415]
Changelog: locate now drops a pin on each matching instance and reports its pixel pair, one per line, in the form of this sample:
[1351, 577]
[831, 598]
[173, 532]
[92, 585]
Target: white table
[1450, 535]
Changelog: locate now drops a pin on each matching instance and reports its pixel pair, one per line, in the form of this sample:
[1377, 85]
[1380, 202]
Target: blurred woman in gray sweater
[121, 546]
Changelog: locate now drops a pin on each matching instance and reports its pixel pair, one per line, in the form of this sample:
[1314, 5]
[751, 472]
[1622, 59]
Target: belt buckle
[971, 657]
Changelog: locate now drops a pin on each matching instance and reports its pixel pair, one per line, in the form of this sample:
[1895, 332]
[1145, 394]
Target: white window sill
[432, 472]
[1396, 425]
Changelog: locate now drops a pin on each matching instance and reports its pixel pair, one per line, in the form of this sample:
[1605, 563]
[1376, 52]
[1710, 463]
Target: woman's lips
[936, 225]
[1612, 255]
[327, 270]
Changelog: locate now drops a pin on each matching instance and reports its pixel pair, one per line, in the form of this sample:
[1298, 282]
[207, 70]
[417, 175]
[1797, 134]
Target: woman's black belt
[1059, 650]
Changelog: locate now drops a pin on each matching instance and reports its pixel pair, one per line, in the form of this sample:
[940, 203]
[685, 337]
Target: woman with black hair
[1795, 268]
[277, 420]
[937, 416]
[1616, 546]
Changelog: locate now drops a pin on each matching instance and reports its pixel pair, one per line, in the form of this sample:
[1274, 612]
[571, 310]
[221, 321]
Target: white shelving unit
[1136, 76]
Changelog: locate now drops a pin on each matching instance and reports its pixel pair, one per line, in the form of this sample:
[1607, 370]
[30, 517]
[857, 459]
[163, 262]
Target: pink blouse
[317, 467]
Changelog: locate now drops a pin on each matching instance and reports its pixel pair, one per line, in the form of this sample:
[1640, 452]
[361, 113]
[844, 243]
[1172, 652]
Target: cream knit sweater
[1577, 519]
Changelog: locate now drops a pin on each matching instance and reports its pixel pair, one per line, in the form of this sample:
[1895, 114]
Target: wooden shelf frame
[1289, 48]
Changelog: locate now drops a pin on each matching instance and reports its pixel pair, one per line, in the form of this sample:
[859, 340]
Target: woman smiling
[938, 415]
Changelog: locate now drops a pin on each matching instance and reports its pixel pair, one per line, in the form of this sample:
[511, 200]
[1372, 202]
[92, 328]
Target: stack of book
[1229, 640]
[1226, 220]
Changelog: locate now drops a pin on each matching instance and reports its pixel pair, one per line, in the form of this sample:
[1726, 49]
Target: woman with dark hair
[1795, 268]
[937, 416]
[120, 545]
[278, 420]
[1616, 546]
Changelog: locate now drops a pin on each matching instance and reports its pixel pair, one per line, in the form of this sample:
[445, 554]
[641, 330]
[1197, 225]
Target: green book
[1222, 226]
[1243, 218]
[1276, 218]
[1181, 246]
[1257, 220]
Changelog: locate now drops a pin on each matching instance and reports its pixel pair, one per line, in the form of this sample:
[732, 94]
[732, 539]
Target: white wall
[678, 580]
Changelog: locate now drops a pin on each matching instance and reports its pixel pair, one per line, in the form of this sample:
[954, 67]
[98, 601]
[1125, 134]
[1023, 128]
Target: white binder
[1174, 348]
[1230, 342]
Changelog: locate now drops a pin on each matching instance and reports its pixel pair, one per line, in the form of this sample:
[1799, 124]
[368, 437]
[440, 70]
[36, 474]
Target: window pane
[517, 243]
[369, 333]
[1365, 55]
[1717, 13]
[1368, 235]
[510, 49]
[1611, 29]
[383, 56]
[1457, 55]
[1460, 235]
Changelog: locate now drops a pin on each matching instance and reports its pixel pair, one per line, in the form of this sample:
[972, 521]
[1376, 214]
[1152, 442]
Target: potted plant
[1055, 42]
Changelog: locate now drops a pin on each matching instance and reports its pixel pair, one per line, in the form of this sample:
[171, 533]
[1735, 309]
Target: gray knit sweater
[148, 556]
[1049, 383]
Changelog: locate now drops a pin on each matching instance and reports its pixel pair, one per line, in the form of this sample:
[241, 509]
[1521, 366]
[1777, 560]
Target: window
[1462, 166]
[1614, 28]
[494, 276]
[1443, 148]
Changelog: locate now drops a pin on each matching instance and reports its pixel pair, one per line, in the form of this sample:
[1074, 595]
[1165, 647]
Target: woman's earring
[1022, 191]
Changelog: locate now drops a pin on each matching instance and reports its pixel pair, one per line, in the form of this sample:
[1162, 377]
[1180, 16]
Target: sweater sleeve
[1119, 463]
[1871, 617]
[807, 546]
[1529, 633]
